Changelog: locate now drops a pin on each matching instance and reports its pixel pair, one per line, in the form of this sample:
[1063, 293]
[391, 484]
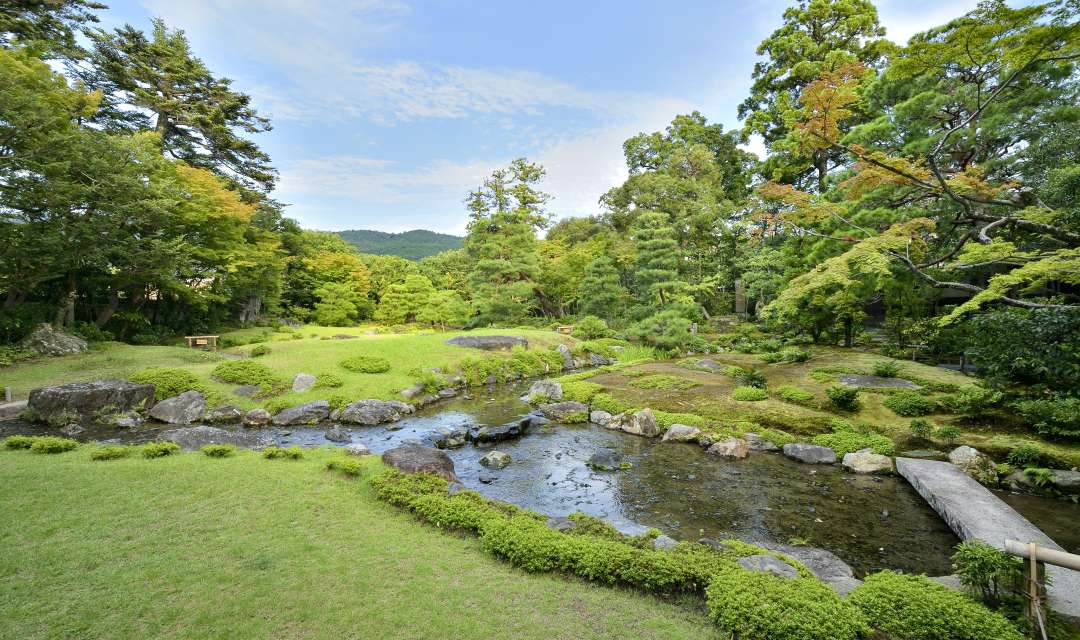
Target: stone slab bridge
[975, 513]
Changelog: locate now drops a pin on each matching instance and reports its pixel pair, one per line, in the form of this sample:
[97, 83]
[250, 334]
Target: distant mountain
[415, 244]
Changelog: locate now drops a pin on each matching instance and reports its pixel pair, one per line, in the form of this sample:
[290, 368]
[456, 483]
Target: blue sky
[386, 112]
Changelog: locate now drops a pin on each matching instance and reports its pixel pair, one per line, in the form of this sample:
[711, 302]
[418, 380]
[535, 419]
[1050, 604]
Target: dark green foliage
[1047, 356]
[245, 372]
[910, 404]
[218, 450]
[887, 368]
[668, 330]
[986, 572]
[366, 364]
[159, 449]
[112, 452]
[283, 453]
[52, 444]
[348, 466]
[922, 428]
[1027, 456]
[747, 377]
[602, 293]
[1058, 417]
[411, 245]
[590, 328]
[914, 608]
[972, 402]
[169, 382]
[843, 398]
[948, 433]
[848, 438]
[656, 273]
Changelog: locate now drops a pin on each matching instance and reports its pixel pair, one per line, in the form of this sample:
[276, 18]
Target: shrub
[948, 433]
[18, 442]
[794, 394]
[281, 453]
[599, 347]
[580, 391]
[366, 364]
[848, 438]
[1058, 417]
[259, 351]
[668, 330]
[887, 368]
[986, 572]
[159, 449]
[972, 402]
[169, 382]
[245, 372]
[1025, 456]
[749, 394]
[590, 328]
[52, 444]
[606, 402]
[218, 450]
[111, 452]
[664, 419]
[348, 466]
[922, 428]
[909, 404]
[909, 607]
[771, 357]
[843, 398]
[747, 377]
[328, 381]
[663, 381]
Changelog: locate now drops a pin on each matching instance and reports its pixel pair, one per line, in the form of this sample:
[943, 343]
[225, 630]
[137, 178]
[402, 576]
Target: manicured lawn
[242, 547]
[287, 357]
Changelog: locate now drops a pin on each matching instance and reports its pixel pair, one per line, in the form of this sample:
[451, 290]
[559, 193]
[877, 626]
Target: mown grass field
[304, 351]
[242, 547]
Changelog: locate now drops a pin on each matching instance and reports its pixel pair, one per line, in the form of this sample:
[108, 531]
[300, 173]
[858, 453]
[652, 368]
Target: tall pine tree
[657, 259]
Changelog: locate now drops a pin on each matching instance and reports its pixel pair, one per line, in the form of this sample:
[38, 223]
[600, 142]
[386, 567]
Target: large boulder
[642, 423]
[681, 433]
[731, 448]
[489, 343]
[420, 459]
[965, 456]
[61, 404]
[810, 453]
[257, 418]
[544, 391]
[762, 563]
[373, 412]
[191, 438]
[827, 566]
[47, 341]
[449, 437]
[567, 356]
[303, 382]
[602, 418]
[508, 431]
[566, 411]
[225, 414]
[495, 459]
[758, 443]
[605, 460]
[312, 412]
[1065, 481]
[866, 461]
[186, 408]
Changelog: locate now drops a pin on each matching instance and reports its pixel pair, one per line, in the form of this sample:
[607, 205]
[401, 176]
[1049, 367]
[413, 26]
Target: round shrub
[907, 607]
[245, 372]
[848, 438]
[348, 466]
[111, 452]
[747, 377]
[259, 350]
[749, 394]
[218, 450]
[328, 381]
[886, 368]
[52, 444]
[909, 404]
[280, 453]
[15, 443]
[590, 328]
[948, 433]
[366, 364]
[843, 398]
[794, 394]
[160, 449]
[922, 428]
[169, 382]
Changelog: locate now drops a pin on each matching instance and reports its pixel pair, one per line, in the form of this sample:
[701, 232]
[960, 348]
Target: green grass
[405, 352]
[191, 547]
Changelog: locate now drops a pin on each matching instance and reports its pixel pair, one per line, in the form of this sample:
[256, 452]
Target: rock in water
[420, 459]
[46, 341]
[731, 448]
[810, 453]
[337, 434]
[606, 460]
[642, 423]
[495, 459]
[303, 382]
[373, 412]
[357, 450]
[61, 404]
[186, 408]
[757, 443]
[762, 563]
[225, 414]
[867, 461]
[489, 343]
[308, 413]
[191, 438]
[257, 418]
[681, 433]
[450, 437]
[545, 391]
[566, 411]
[602, 418]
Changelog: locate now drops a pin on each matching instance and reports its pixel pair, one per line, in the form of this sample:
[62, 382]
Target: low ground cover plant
[245, 372]
[365, 364]
[844, 398]
[663, 381]
[283, 453]
[169, 382]
[910, 404]
[112, 452]
[159, 449]
[794, 395]
[218, 450]
[749, 394]
[848, 438]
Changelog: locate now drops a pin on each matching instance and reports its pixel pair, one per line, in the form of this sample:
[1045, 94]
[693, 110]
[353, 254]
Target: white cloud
[905, 18]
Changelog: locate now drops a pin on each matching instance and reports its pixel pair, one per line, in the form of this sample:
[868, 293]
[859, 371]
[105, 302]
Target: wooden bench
[202, 342]
[565, 328]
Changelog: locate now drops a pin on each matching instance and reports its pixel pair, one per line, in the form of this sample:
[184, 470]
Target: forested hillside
[413, 245]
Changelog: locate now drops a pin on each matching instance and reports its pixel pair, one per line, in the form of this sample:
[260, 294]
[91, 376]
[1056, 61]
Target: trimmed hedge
[40, 444]
[910, 404]
[365, 364]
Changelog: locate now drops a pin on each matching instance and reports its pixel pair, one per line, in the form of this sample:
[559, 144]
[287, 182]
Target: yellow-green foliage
[663, 381]
[159, 449]
[847, 438]
[749, 394]
[245, 372]
[328, 381]
[366, 364]
[907, 607]
[280, 453]
[18, 442]
[169, 382]
[348, 466]
[111, 452]
[794, 395]
[580, 391]
[218, 450]
[521, 363]
[52, 444]
[606, 402]
[665, 419]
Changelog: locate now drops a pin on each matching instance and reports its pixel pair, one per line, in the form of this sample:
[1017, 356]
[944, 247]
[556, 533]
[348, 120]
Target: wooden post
[7, 394]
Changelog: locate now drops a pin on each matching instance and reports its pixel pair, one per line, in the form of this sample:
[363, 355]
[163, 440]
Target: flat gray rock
[489, 343]
[973, 512]
[875, 382]
[826, 565]
[420, 459]
[192, 438]
[186, 408]
[59, 404]
[762, 563]
[680, 433]
[810, 453]
[303, 382]
[663, 543]
[308, 413]
[563, 411]
[373, 412]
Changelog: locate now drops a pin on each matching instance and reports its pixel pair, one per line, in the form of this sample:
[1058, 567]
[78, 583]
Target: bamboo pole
[1047, 555]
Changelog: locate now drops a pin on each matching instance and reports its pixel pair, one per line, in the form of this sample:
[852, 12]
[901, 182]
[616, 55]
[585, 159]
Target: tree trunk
[849, 332]
[821, 163]
[15, 297]
[65, 310]
[251, 310]
[110, 308]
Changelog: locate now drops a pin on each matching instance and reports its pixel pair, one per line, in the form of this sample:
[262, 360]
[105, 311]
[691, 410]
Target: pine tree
[602, 294]
[657, 257]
